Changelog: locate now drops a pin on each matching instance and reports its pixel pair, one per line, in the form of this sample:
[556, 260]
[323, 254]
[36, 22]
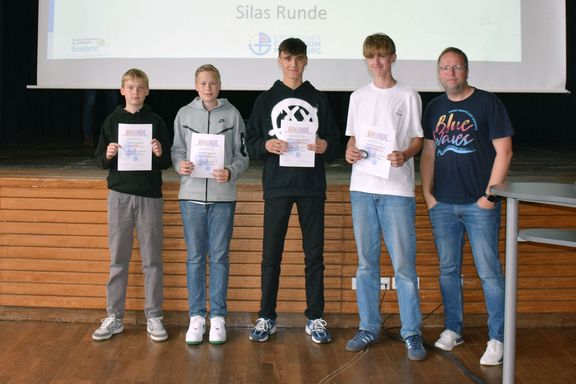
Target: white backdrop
[513, 45]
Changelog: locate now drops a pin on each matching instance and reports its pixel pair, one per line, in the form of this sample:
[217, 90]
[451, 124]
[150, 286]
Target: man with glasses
[467, 148]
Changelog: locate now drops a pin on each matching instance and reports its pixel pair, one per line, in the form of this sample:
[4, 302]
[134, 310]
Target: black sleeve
[328, 130]
[256, 136]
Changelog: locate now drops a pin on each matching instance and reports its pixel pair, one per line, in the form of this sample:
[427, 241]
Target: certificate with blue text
[375, 143]
[207, 154]
[135, 151]
[298, 134]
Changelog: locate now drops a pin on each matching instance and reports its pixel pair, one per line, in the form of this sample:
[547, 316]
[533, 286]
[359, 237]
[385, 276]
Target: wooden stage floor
[47, 352]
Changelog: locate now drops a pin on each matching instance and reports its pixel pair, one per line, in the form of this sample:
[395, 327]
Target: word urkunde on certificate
[135, 152]
[298, 134]
[207, 154]
[375, 143]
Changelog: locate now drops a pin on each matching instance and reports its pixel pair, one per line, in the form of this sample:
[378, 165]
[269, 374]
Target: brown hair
[456, 51]
[293, 46]
[378, 42]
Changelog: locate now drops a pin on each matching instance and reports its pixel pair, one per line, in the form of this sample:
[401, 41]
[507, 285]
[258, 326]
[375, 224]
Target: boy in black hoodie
[134, 202]
[294, 100]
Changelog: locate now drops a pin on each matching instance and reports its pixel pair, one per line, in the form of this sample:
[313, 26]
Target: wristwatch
[490, 198]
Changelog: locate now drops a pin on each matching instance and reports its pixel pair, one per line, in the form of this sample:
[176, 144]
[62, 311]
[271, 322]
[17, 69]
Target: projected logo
[260, 44]
[88, 46]
[290, 110]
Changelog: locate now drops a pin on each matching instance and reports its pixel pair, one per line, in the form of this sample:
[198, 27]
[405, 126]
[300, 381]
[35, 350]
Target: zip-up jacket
[139, 183]
[222, 120]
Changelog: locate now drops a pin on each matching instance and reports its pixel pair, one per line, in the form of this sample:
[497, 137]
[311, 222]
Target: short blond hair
[207, 68]
[135, 73]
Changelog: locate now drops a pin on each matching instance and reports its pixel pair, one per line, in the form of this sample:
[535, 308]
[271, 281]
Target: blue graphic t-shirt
[463, 132]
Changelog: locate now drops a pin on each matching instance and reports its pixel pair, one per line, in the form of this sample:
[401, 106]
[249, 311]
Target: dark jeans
[276, 217]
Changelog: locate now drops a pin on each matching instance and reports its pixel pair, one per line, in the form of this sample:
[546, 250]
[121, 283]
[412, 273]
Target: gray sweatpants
[126, 213]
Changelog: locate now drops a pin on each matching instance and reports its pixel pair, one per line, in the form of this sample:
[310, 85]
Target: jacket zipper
[207, 131]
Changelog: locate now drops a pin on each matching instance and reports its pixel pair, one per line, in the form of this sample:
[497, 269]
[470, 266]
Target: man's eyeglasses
[457, 68]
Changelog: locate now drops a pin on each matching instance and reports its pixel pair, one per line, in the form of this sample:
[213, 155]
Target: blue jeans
[394, 217]
[207, 231]
[449, 222]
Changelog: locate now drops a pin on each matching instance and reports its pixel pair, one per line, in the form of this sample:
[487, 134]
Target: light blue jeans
[394, 217]
[207, 231]
[449, 222]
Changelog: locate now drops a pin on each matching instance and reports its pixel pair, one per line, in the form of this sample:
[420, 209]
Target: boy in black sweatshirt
[292, 100]
[134, 202]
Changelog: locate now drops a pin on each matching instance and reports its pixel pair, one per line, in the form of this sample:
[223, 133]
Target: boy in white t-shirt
[385, 134]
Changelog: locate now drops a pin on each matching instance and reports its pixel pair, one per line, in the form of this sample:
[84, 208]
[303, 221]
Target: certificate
[298, 134]
[207, 154]
[375, 143]
[135, 151]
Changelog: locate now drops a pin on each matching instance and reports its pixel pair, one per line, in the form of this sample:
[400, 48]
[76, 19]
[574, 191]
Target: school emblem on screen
[260, 44]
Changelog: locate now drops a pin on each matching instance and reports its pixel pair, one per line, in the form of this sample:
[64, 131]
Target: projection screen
[513, 45]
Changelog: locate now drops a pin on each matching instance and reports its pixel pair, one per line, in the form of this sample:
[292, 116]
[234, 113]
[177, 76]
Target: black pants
[276, 217]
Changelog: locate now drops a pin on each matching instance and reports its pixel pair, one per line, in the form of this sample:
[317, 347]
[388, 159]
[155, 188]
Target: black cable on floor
[455, 360]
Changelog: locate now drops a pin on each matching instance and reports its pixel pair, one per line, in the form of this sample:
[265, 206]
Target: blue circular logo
[260, 44]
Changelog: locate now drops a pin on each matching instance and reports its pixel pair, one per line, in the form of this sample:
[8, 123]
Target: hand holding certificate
[135, 147]
[298, 134]
[375, 144]
[207, 154]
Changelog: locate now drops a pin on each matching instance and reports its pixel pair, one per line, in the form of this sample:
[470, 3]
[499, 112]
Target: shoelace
[109, 322]
[197, 322]
[363, 336]
[318, 325]
[262, 325]
[492, 346]
[155, 323]
[447, 339]
[414, 342]
[217, 322]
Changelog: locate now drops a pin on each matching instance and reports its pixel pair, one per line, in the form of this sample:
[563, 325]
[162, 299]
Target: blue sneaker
[263, 329]
[317, 329]
[361, 340]
[416, 349]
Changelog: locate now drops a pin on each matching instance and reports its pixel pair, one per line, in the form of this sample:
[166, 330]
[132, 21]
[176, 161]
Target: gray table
[543, 193]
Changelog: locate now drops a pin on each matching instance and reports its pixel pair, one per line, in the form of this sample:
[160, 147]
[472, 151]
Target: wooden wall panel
[53, 253]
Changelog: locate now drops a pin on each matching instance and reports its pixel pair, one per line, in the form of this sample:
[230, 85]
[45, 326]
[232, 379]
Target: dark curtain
[2, 22]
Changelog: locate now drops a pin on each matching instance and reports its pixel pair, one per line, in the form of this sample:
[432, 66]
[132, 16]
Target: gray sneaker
[109, 327]
[156, 329]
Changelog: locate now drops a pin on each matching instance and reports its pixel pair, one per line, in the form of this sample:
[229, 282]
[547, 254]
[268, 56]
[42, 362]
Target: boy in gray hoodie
[207, 204]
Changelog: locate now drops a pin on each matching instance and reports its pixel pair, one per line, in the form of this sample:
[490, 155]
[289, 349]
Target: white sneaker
[110, 326]
[217, 330]
[493, 354]
[196, 330]
[448, 340]
[156, 329]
